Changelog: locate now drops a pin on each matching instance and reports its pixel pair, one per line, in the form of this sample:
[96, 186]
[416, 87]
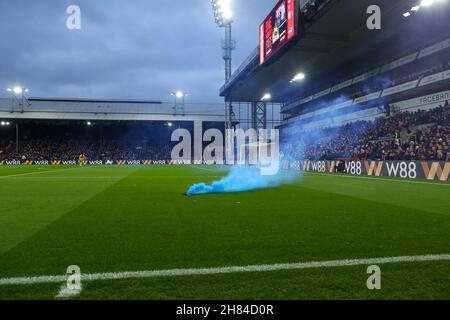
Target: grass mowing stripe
[22, 219]
[223, 270]
[437, 183]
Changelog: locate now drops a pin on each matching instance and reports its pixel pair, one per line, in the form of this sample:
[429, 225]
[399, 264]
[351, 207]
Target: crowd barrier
[429, 170]
[100, 162]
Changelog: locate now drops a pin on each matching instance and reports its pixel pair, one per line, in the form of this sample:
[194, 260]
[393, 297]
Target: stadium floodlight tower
[224, 19]
[18, 98]
[179, 96]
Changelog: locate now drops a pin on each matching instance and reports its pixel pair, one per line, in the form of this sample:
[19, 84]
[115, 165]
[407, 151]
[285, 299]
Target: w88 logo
[354, 168]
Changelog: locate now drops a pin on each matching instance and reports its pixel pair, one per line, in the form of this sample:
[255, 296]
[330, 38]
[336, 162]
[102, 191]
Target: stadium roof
[111, 110]
[338, 37]
[97, 100]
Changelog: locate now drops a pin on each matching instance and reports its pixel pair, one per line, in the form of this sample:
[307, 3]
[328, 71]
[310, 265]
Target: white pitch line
[105, 177]
[34, 173]
[380, 179]
[224, 270]
[204, 169]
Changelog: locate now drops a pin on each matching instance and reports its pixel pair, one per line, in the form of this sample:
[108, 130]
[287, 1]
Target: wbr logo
[243, 147]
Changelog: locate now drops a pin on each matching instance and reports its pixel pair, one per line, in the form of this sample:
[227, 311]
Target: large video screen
[278, 28]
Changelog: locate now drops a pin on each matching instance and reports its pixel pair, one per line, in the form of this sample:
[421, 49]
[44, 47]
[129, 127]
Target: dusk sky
[138, 49]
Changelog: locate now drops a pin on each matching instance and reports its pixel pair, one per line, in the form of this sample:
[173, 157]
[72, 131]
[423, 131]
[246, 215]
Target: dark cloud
[140, 49]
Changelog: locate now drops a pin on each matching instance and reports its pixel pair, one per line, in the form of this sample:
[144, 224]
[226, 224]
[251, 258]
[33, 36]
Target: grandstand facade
[367, 94]
[57, 131]
[104, 110]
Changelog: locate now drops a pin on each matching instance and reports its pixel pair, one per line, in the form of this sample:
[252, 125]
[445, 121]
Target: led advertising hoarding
[278, 28]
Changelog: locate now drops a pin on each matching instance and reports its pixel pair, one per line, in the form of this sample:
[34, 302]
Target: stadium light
[426, 3]
[423, 3]
[18, 98]
[5, 123]
[298, 77]
[169, 124]
[18, 90]
[179, 101]
[88, 123]
[266, 96]
[179, 94]
[222, 12]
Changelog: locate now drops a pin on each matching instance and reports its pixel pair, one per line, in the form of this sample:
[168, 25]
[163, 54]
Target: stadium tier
[409, 135]
[416, 135]
[102, 142]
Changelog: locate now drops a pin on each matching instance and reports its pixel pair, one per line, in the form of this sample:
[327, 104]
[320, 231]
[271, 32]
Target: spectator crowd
[49, 143]
[418, 135]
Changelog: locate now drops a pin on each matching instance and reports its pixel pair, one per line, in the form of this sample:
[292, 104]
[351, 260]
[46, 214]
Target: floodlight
[227, 15]
[299, 76]
[415, 8]
[18, 90]
[406, 14]
[426, 3]
[179, 94]
[222, 12]
[9, 90]
[89, 123]
[266, 96]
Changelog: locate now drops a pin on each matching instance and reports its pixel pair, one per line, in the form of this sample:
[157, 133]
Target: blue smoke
[244, 178]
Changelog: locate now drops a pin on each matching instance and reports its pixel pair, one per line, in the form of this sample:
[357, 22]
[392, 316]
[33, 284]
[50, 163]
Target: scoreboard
[278, 28]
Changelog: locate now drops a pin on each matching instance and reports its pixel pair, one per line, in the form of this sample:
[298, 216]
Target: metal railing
[253, 55]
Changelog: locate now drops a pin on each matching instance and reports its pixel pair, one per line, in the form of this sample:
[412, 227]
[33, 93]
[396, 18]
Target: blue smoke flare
[244, 178]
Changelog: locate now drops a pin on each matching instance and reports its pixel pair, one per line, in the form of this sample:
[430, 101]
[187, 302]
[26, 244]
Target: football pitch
[135, 235]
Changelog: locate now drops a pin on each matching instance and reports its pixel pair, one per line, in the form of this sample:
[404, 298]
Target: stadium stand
[409, 135]
[418, 135]
[111, 141]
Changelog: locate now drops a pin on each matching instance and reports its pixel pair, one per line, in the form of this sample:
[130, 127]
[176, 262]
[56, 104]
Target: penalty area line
[225, 270]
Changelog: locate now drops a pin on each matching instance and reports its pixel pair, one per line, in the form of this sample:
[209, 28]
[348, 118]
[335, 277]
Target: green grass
[110, 219]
